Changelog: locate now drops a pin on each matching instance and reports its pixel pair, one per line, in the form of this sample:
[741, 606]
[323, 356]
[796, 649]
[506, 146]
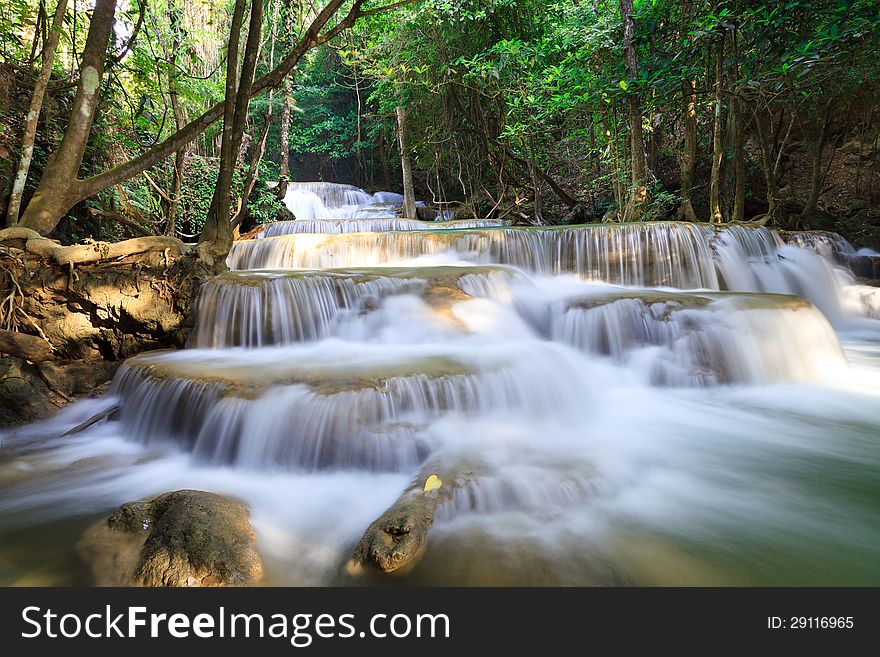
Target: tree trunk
[33, 115]
[58, 190]
[216, 237]
[536, 187]
[48, 205]
[763, 129]
[179, 123]
[739, 161]
[689, 152]
[409, 195]
[383, 161]
[817, 152]
[639, 189]
[259, 149]
[717, 143]
[253, 169]
[284, 171]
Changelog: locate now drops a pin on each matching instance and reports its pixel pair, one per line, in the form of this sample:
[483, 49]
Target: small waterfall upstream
[648, 403]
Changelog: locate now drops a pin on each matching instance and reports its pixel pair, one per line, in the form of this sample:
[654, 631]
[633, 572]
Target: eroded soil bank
[68, 318]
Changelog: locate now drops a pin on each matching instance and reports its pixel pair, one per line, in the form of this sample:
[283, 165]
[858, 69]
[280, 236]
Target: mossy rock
[182, 538]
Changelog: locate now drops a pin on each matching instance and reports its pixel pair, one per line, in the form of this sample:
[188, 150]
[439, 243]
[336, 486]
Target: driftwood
[97, 417]
[27, 347]
[396, 541]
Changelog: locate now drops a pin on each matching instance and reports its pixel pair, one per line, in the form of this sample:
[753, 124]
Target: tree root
[97, 251]
[27, 347]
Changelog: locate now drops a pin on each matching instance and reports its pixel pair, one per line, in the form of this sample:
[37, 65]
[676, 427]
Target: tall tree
[50, 44]
[689, 119]
[717, 143]
[216, 237]
[409, 195]
[638, 193]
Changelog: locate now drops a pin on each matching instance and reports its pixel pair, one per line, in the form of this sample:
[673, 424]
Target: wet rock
[865, 266]
[182, 538]
[77, 377]
[33, 391]
[578, 215]
[24, 396]
[426, 213]
[397, 540]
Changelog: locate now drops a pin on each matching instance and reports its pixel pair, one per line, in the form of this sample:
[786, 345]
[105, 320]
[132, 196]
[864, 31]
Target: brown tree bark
[817, 143]
[216, 237]
[638, 193]
[284, 169]
[689, 151]
[33, 116]
[409, 195]
[179, 123]
[739, 161]
[717, 142]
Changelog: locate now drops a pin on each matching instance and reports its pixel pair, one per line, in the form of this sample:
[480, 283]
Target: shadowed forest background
[536, 112]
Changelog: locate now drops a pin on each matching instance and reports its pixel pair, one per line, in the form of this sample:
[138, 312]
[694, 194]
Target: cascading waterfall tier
[680, 381]
[319, 200]
[290, 409]
[666, 254]
[679, 256]
[256, 309]
[328, 226]
[702, 339]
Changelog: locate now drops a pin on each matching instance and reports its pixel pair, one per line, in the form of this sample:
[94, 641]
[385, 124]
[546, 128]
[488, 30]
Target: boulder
[24, 395]
[397, 540]
[182, 538]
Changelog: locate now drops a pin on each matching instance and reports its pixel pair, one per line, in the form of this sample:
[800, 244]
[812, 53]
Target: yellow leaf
[432, 483]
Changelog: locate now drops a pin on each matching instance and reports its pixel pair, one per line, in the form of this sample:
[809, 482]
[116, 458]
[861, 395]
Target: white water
[641, 405]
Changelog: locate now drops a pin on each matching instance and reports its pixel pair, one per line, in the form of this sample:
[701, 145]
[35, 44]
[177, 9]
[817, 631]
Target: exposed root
[97, 251]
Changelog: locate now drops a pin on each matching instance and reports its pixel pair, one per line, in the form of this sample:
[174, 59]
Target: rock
[610, 215]
[78, 377]
[24, 396]
[578, 215]
[108, 310]
[182, 538]
[426, 213]
[30, 392]
[855, 205]
[397, 540]
[865, 266]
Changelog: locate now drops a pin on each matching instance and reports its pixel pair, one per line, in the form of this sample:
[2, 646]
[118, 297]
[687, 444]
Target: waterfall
[370, 225]
[274, 409]
[699, 340]
[256, 309]
[310, 201]
[696, 389]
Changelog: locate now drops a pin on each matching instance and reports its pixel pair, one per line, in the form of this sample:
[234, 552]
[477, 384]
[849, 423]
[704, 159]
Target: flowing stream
[660, 403]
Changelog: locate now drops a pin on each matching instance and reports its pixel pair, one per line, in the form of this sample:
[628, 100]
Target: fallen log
[24, 346]
[396, 541]
[97, 417]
